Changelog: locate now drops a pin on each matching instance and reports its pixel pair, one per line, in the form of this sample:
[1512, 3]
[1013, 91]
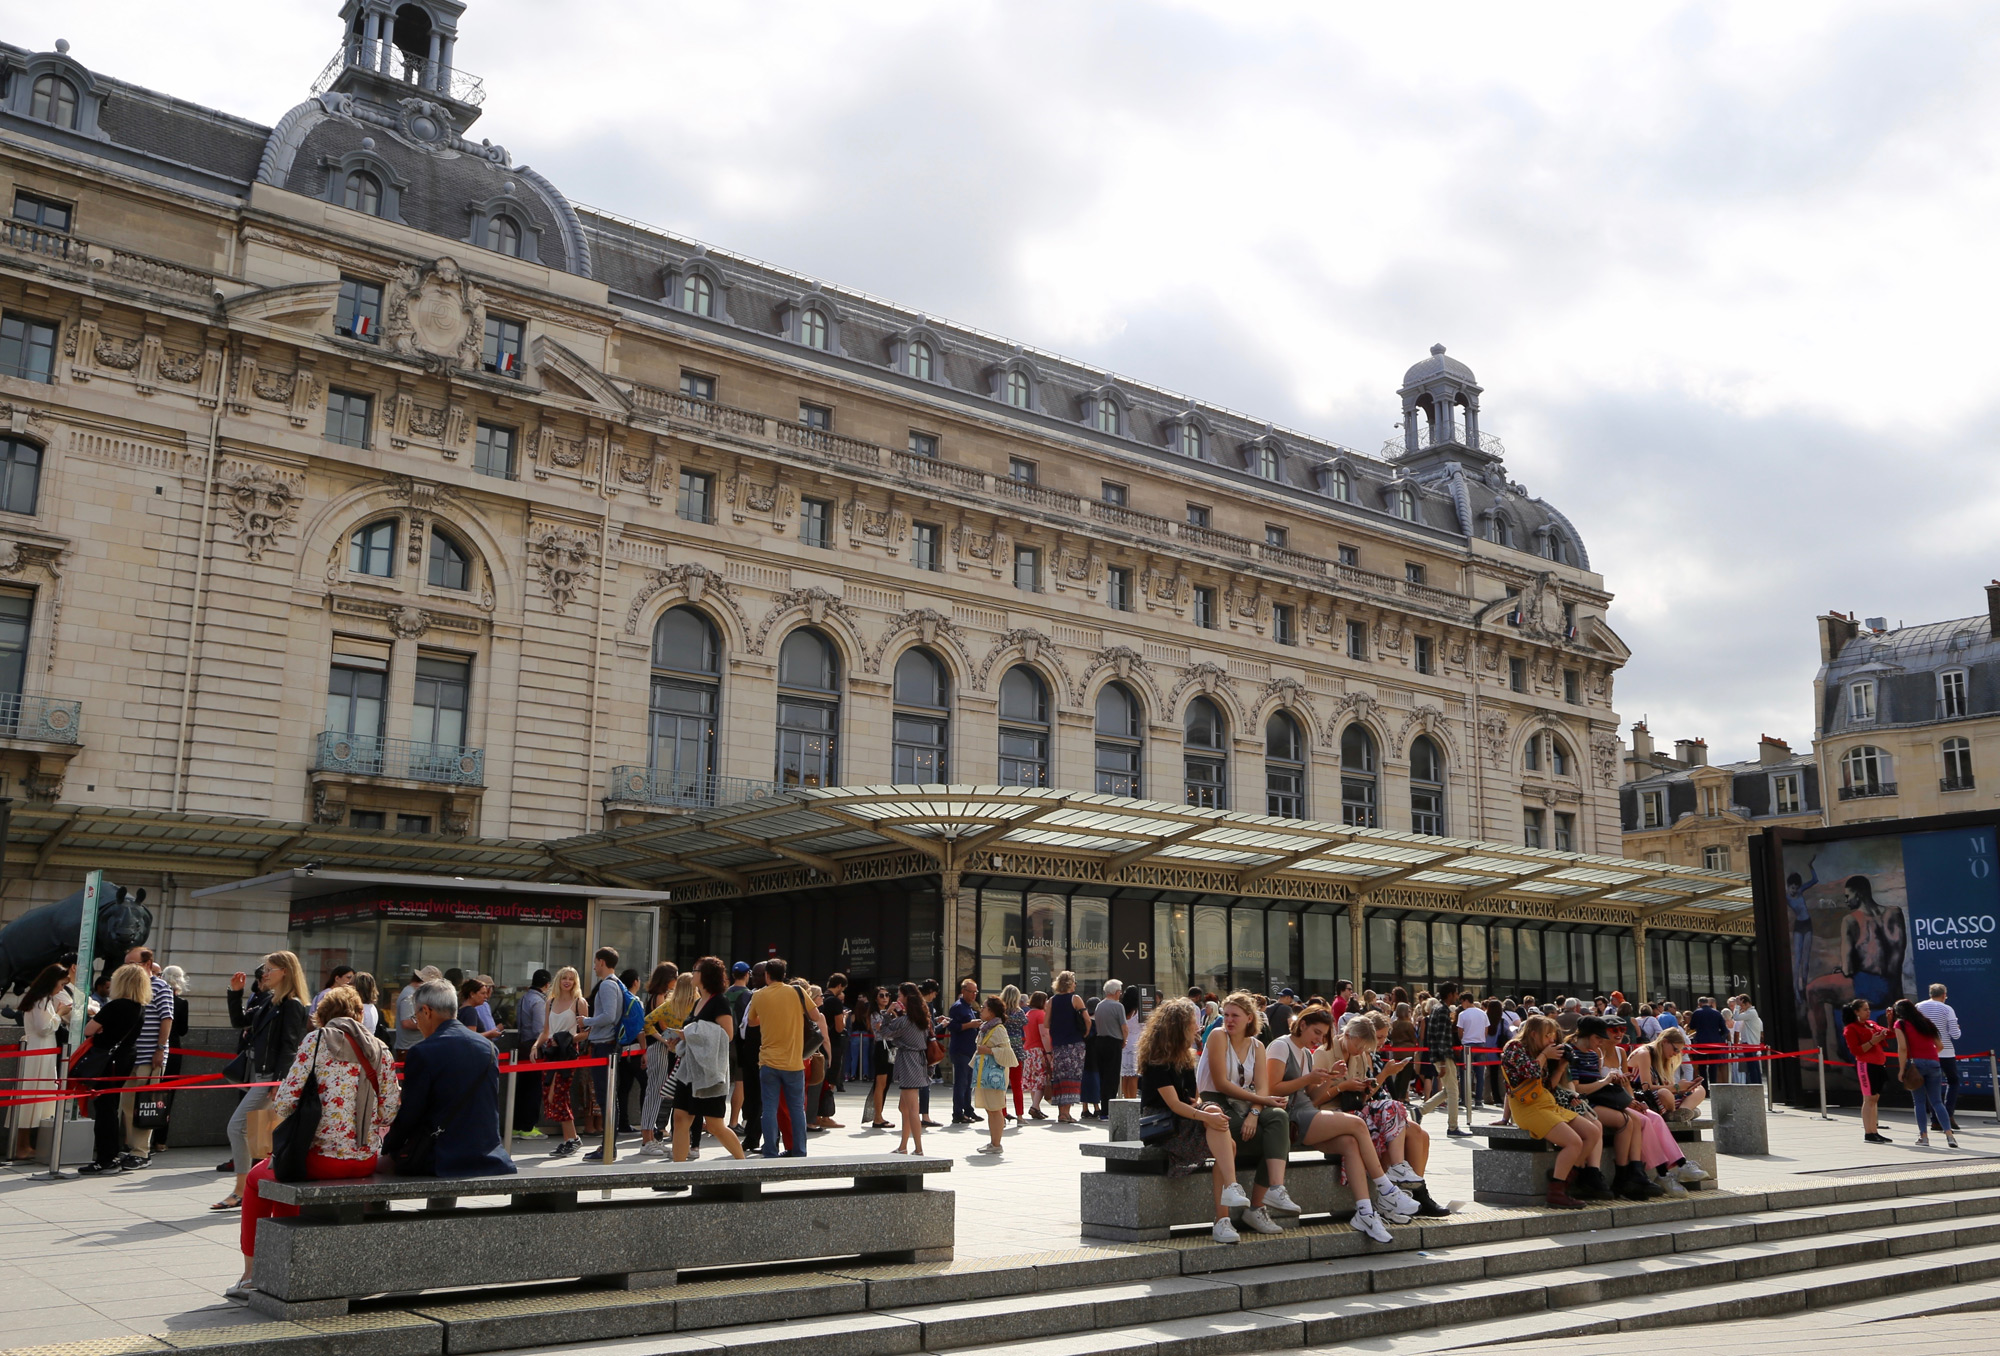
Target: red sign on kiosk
[479, 906]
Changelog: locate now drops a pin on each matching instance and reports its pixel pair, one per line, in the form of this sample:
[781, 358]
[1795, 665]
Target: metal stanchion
[1819, 1060]
[1466, 1094]
[611, 1107]
[507, 1118]
[55, 1172]
[1770, 1069]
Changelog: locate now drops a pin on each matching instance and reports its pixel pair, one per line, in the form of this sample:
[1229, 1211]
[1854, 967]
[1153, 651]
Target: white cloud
[1723, 269]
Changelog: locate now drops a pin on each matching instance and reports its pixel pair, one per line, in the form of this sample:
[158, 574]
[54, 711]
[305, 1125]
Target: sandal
[230, 1202]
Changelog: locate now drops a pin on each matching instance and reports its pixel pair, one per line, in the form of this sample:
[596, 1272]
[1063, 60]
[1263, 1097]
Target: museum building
[367, 505]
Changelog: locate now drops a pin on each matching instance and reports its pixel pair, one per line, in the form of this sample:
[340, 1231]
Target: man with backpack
[782, 1013]
[617, 1018]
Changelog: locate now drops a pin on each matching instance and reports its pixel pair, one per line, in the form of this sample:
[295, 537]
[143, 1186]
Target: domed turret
[1440, 404]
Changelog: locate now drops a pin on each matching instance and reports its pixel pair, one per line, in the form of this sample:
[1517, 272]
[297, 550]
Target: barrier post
[55, 1172]
[1466, 1093]
[1770, 1094]
[507, 1116]
[1819, 1061]
[1993, 1077]
[611, 1108]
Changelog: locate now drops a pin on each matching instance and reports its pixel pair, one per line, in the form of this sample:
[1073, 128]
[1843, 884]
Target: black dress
[113, 1051]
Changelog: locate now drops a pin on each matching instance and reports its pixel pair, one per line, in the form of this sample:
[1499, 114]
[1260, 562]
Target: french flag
[363, 326]
[506, 364]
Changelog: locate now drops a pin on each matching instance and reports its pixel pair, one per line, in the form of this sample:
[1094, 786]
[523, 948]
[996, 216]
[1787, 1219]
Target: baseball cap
[1286, 993]
[740, 968]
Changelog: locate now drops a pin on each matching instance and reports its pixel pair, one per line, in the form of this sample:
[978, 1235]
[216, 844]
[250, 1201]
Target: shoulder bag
[292, 1137]
[811, 1041]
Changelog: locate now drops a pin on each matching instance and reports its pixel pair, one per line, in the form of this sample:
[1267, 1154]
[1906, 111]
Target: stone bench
[1514, 1167]
[349, 1241]
[1133, 1200]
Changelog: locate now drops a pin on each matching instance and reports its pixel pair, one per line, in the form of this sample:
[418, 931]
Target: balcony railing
[664, 787]
[385, 58]
[400, 759]
[44, 719]
[1955, 783]
[39, 240]
[1865, 792]
[828, 444]
[930, 468]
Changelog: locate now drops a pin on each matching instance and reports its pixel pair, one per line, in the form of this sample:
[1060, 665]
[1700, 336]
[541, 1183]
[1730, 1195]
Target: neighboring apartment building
[1907, 719]
[1683, 809]
[367, 502]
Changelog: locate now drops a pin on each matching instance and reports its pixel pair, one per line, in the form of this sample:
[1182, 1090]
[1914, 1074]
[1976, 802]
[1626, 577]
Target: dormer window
[1559, 550]
[697, 296]
[503, 236]
[1339, 484]
[812, 328]
[1861, 701]
[1499, 531]
[362, 193]
[54, 101]
[917, 360]
[1190, 441]
[1406, 505]
[1264, 461]
[1015, 390]
[1107, 415]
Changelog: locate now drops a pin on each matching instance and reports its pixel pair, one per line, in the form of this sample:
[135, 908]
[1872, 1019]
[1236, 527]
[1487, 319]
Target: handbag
[1157, 1127]
[292, 1140]
[812, 1042]
[1912, 1080]
[151, 1110]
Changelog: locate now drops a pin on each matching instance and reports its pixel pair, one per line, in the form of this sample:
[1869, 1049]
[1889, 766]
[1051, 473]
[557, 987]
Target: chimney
[1691, 752]
[1836, 630]
[1993, 609]
[1770, 751]
[1642, 742]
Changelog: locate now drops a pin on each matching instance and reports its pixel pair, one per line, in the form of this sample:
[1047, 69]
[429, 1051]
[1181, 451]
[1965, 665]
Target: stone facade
[221, 422]
[1686, 811]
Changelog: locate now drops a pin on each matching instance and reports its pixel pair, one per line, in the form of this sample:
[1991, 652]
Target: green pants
[1272, 1140]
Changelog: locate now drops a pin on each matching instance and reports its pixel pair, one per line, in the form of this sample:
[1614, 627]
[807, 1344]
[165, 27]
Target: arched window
[1284, 767]
[697, 297]
[372, 549]
[1204, 757]
[1500, 532]
[53, 100]
[1559, 550]
[808, 710]
[1406, 505]
[922, 735]
[363, 193]
[1426, 786]
[812, 328]
[20, 475]
[917, 360]
[1024, 728]
[1191, 440]
[451, 567]
[1357, 777]
[1558, 757]
[1264, 462]
[502, 235]
[1107, 415]
[687, 680]
[1339, 484]
[1957, 765]
[1531, 753]
[1864, 772]
[1015, 388]
[1118, 742]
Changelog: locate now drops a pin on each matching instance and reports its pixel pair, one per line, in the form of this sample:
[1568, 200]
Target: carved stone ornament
[1208, 679]
[436, 314]
[1604, 750]
[260, 504]
[700, 585]
[1493, 730]
[817, 604]
[1286, 693]
[563, 558]
[933, 629]
[1428, 720]
[1124, 662]
[1032, 648]
[409, 623]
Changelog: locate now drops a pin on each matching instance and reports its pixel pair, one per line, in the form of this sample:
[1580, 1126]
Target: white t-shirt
[1472, 1026]
[1946, 1020]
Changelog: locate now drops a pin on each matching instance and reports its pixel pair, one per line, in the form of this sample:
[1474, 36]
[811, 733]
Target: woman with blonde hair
[359, 1094]
[558, 1042]
[1191, 1131]
[1655, 1067]
[114, 1048]
[1531, 1062]
[275, 1032]
[1234, 1071]
[674, 997]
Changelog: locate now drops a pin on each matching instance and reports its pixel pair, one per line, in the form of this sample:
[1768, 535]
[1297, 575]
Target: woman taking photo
[1917, 1049]
[275, 1032]
[358, 1094]
[1069, 1026]
[1529, 1062]
[883, 1059]
[114, 1049]
[557, 1043]
[701, 1070]
[908, 1034]
[45, 1009]
[1234, 1070]
[992, 1056]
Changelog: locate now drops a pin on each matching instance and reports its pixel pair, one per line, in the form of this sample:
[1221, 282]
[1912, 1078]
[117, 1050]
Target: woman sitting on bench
[1233, 1070]
[1531, 1062]
[1654, 1068]
[1198, 1134]
[1362, 1074]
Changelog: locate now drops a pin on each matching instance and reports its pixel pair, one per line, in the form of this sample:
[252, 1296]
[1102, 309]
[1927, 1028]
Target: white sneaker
[1671, 1183]
[1278, 1199]
[1366, 1221]
[1225, 1232]
[654, 1148]
[1260, 1220]
[1235, 1197]
[1399, 1205]
[1689, 1172]
[694, 1152]
[1404, 1173]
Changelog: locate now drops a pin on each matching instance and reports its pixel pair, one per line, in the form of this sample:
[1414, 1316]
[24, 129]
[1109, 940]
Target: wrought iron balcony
[1864, 792]
[386, 59]
[399, 759]
[46, 720]
[1955, 783]
[699, 791]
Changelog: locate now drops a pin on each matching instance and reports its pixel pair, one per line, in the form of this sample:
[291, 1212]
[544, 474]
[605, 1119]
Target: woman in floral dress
[1035, 1055]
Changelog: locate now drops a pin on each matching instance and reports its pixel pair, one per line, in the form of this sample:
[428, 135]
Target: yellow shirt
[780, 1011]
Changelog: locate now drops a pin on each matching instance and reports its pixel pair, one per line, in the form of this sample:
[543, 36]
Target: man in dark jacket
[451, 1092]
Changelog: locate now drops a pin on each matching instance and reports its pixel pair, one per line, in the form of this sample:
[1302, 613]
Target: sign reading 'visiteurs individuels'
[477, 907]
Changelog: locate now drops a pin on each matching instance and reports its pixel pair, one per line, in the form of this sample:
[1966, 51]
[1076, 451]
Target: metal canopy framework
[811, 838]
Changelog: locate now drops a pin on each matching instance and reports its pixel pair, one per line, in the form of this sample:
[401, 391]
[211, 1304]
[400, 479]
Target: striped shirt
[159, 1016]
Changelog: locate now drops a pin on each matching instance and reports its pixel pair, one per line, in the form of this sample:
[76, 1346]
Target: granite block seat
[1133, 1200]
[1514, 1167]
[611, 1225]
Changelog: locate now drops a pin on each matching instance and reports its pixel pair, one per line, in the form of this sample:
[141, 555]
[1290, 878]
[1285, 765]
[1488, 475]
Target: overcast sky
[1725, 271]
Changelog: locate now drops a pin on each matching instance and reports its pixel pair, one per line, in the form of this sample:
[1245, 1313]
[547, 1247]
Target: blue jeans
[789, 1084]
[1929, 1099]
[961, 1086]
[857, 1054]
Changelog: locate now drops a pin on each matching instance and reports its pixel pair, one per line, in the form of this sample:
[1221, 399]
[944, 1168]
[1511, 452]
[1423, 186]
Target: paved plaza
[142, 1253]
